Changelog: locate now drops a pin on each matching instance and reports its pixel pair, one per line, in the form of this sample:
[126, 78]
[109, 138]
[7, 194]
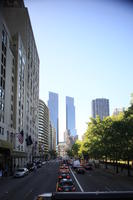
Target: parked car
[63, 176]
[80, 170]
[65, 185]
[39, 164]
[21, 172]
[43, 163]
[30, 167]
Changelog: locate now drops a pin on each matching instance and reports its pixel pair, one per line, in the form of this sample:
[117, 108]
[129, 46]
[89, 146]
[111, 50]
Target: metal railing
[86, 195]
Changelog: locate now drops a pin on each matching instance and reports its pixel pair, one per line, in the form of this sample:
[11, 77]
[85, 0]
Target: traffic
[66, 177]
[60, 177]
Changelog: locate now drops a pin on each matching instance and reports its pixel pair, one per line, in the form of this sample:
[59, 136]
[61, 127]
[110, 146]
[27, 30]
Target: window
[13, 62]
[7, 135]
[2, 106]
[2, 58]
[11, 116]
[4, 73]
[12, 79]
[1, 131]
[3, 85]
[0, 92]
[1, 69]
[3, 94]
[21, 148]
[4, 61]
[1, 80]
[4, 37]
[19, 95]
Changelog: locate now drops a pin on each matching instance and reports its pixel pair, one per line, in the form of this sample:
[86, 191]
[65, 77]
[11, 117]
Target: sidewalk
[112, 170]
[3, 178]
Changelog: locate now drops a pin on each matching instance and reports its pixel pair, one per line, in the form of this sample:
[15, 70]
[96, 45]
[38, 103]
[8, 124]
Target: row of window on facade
[1, 131]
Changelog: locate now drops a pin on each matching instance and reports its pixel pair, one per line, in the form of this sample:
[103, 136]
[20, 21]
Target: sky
[86, 52]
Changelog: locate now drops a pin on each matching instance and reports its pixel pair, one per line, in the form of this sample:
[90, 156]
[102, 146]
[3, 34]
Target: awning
[19, 154]
[6, 145]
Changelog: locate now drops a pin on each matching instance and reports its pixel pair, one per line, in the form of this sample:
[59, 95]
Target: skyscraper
[70, 116]
[53, 111]
[100, 107]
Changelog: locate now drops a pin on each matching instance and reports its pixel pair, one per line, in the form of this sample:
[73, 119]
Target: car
[21, 172]
[39, 164]
[80, 170]
[30, 167]
[64, 171]
[64, 167]
[88, 166]
[43, 163]
[63, 176]
[76, 163]
[65, 185]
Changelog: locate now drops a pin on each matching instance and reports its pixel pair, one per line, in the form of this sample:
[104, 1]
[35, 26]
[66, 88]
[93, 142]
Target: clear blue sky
[86, 52]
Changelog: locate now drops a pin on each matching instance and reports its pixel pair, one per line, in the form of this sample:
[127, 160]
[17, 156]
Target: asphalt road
[27, 188]
[44, 181]
[99, 180]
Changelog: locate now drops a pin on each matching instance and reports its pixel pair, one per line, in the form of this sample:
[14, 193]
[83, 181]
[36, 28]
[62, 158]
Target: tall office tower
[43, 134]
[20, 82]
[53, 110]
[70, 116]
[100, 107]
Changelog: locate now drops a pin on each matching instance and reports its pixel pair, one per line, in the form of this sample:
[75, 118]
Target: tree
[75, 148]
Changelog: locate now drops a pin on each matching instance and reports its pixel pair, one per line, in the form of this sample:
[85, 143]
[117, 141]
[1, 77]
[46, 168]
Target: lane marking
[77, 181]
[28, 193]
[107, 188]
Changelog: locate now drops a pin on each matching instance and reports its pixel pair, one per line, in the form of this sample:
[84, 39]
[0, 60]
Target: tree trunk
[117, 170]
[128, 167]
[114, 164]
[106, 167]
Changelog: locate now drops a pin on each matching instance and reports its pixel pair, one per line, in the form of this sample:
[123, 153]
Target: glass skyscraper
[100, 107]
[70, 116]
[53, 111]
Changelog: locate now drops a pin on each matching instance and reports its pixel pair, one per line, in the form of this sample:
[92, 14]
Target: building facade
[70, 116]
[62, 151]
[43, 135]
[19, 88]
[69, 139]
[53, 111]
[100, 107]
[52, 137]
[117, 111]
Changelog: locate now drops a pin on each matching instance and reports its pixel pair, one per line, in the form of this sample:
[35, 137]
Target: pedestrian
[35, 168]
[0, 173]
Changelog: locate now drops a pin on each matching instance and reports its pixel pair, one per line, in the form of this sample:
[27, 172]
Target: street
[45, 178]
[26, 188]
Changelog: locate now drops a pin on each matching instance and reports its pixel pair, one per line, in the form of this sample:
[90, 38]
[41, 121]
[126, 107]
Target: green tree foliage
[75, 148]
[108, 139]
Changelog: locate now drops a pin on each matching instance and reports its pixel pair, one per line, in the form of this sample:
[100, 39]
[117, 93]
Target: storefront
[5, 157]
[19, 159]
